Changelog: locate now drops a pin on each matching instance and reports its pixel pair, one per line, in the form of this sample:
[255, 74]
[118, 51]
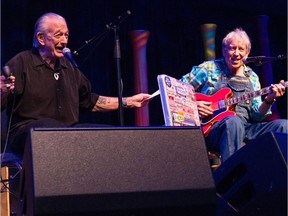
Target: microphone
[6, 71]
[67, 53]
[119, 19]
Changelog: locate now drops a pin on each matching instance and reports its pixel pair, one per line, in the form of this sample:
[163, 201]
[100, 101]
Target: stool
[11, 167]
[5, 198]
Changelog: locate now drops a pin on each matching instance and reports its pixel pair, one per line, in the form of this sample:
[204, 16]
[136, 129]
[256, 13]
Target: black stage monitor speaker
[254, 180]
[118, 170]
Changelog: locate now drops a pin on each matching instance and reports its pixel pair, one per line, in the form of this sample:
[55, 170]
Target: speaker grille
[129, 168]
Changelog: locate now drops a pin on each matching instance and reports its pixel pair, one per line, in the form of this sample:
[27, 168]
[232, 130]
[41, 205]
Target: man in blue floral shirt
[227, 131]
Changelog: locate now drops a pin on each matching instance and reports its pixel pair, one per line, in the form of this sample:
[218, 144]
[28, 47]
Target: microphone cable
[6, 72]
[8, 129]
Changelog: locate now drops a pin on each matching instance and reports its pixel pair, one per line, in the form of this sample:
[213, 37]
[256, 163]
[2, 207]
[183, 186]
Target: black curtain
[174, 46]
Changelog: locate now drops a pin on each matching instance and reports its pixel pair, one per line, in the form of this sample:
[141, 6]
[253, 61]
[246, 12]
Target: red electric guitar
[223, 104]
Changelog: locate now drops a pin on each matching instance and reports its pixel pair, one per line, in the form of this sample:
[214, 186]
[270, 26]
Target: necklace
[56, 76]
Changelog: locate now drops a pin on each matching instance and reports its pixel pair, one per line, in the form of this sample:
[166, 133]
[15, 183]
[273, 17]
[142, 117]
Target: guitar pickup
[221, 104]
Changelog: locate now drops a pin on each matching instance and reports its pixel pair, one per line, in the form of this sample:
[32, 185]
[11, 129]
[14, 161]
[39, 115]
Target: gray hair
[41, 25]
[240, 33]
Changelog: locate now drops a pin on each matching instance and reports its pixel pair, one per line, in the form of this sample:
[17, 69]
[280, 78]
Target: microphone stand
[117, 55]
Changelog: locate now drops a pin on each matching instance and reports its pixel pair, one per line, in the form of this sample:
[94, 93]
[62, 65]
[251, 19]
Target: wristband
[124, 101]
[269, 103]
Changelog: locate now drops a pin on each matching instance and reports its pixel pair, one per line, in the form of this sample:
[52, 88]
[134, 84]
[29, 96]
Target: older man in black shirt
[46, 89]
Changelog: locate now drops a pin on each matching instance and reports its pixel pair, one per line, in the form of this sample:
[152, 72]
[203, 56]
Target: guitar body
[218, 113]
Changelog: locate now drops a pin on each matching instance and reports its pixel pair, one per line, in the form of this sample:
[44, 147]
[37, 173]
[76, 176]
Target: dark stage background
[174, 46]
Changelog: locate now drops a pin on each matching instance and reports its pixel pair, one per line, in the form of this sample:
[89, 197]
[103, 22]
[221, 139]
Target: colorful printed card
[178, 102]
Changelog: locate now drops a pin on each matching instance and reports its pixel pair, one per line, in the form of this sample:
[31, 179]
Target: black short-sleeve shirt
[41, 92]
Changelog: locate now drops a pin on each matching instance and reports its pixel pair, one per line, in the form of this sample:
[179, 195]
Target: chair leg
[215, 159]
[5, 196]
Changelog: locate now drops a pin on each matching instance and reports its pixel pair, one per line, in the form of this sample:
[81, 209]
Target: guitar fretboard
[247, 96]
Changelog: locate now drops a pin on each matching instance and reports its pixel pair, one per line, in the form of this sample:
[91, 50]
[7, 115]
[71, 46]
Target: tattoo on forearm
[102, 100]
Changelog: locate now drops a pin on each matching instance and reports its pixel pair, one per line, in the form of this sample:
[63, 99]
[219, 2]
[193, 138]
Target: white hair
[41, 25]
[240, 33]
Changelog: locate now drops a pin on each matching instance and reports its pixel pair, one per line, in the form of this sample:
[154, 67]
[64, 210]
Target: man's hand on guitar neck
[278, 90]
[204, 108]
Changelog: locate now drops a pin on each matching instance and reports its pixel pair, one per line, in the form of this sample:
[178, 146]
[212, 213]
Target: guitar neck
[250, 95]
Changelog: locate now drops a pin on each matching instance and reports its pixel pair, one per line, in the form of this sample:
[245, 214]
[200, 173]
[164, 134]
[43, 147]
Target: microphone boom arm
[259, 60]
[109, 27]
